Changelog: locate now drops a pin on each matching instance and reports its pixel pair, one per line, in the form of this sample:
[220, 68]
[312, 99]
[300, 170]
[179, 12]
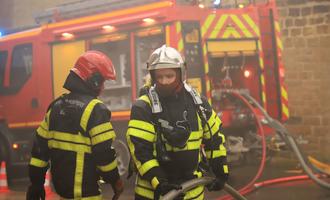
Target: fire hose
[288, 139]
[201, 181]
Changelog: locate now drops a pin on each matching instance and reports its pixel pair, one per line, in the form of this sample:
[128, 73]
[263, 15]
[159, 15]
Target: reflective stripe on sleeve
[141, 134]
[44, 133]
[214, 123]
[196, 193]
[141, 129]
[217, 153]
[103, 137]
[144, 192]
[225, 169]
[154, 182]
[38, 163]
[144, 188]
[142, 125]
[100, 128]
[145, 167]
[108, 167]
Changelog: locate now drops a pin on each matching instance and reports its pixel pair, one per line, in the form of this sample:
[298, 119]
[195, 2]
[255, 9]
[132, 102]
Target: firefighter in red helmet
[74, 140]
[169, 124]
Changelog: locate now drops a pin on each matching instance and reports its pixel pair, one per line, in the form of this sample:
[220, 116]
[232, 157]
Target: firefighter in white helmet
[167, 128]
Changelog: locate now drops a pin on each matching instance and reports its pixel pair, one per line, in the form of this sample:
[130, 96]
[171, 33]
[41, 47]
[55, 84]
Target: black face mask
[168, 89]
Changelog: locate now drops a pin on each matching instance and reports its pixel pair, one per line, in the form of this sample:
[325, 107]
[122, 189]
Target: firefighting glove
[164, 187]
[178, 135]
[218, 183]
[118, 188]
[36, 192]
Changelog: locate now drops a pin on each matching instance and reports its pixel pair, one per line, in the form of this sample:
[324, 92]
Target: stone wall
[305, 28]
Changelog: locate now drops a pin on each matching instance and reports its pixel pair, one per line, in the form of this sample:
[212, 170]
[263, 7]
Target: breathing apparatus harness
[161, 125]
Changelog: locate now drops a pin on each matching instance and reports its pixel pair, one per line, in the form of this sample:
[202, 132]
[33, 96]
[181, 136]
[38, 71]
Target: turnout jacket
[184, 164]
[75, 140]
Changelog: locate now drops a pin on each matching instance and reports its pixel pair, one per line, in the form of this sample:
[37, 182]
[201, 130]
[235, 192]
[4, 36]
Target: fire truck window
[3, 61]
[21, 66]
[144, 47]
[117, 94]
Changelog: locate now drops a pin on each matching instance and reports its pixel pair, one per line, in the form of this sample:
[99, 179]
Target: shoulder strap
[194, 94]
[156, 107]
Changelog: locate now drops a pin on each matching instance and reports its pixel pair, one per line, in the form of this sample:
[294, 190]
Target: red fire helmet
[94, 61]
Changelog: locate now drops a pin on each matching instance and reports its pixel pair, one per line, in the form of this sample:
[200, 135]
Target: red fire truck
[226, 48]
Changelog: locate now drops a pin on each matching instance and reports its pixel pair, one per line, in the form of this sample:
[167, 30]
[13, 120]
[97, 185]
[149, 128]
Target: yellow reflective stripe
[87, 113]
[207, 24]
[218, 26]
[212, 117]
[191, 145]
[42, 130]
[195, 135]
[198, 174]
[251, 23]
[214, 123]
[144, 188]
[141, 134]
[108, 167]
[284, 93]
[103, 137]
[200, 127]
[225, 169]
[154, 182]
[217, 153]
[239, 23]
[107, 126]
[78, 178]
[37, 162]
[144, 192]
[98, 197]
[44, 133]
[194, 142]
[145, 98]
[144, 183]
[145, 167]
[44, 125]
[132, 151]
[222, 136]
[142, 125]
[69, 146]
[195, 193]
[68, 137]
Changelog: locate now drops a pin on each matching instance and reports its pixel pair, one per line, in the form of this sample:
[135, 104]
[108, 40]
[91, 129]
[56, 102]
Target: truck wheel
[123, 156]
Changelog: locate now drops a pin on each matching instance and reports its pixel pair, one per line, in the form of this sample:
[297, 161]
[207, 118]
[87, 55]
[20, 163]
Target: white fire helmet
[165, 57]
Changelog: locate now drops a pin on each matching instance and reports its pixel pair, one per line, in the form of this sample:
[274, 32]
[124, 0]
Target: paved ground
[240, 175]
